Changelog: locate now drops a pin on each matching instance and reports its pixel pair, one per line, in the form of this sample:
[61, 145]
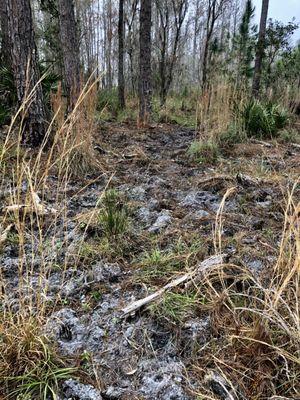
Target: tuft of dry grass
[255, 322]
[30, 366]
[74, 134]
[215, 109]
[29, 363]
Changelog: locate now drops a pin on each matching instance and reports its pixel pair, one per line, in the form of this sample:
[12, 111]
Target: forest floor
[169, 220]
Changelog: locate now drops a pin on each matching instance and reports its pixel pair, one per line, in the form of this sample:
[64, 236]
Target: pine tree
[70, 50]
[145, 84]
[260, 50]
[50, 44]
[121, 82]
[245, 42]
[24, 64]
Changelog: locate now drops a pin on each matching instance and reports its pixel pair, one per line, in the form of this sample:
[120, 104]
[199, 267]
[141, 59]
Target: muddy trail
[171, 204]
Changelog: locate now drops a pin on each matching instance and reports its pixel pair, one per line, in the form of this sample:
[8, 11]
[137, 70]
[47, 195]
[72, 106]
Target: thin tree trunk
[130, 19]
[260, 51]
[162, 72]
[162, 37]
[121, 81]
[70, 50]
[24, 62]
[195, 37]
[109, 46]
[145, 84]
[209, 30]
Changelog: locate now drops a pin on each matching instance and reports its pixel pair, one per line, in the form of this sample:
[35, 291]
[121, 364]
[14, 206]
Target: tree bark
[260, 50]
[24, 63]
[121, 81]
[70, 50]
[145, 84]
[163, 13]
[5, 55]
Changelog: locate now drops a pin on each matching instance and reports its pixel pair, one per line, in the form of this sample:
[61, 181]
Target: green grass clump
[233, 135]
[290, 136]
[108, 99]
[178, 110]
[113, 217]
[157, 265]
[175, 307]
[204, 151]
[263, 120]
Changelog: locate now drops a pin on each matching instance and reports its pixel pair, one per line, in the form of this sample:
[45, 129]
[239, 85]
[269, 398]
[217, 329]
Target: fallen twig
[200, 270]
[246, 180]
[214, 178]
[296, 145]
[262, 143]
[36, 207]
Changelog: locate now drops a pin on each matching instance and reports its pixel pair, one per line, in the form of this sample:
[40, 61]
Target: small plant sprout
[113, 216]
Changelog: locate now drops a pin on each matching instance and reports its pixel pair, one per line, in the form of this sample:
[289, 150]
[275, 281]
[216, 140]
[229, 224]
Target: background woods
[196, 44]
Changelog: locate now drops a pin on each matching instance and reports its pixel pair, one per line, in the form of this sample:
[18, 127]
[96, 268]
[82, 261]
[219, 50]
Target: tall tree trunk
[70, 50]
[204, 65]
[209, 31]
[145, 84]
[121, 82]
[260, 51]
[5, 54]
[24, 62]
[109, 45]
[162, 73]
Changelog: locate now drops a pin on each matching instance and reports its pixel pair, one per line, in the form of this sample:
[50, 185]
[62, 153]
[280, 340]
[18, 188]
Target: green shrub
[263, 120]
[204, 151]
[8, 94]
[4, 114]
[108, 99]
[234, 134]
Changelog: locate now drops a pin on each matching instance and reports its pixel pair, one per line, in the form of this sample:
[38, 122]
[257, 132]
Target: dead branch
[198, 272]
